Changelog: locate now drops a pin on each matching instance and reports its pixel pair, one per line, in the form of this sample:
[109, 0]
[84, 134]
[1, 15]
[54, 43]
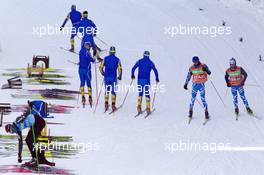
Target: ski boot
[206, 114]
[236, 111]
[139, 109]
[190, 113]
[83, 101]
[31, 163]
[113, 107]
[71, 49]
[106, 106]
[90, 101]
[46, 162]
[250, 112]
[148, 110]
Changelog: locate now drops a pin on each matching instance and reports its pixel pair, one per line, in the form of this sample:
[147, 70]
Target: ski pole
[102, 41]
[127, 93]
[96, 83]
[217, 93]
[35, 145]
[1, 120]
[154, 96]
[97, 100]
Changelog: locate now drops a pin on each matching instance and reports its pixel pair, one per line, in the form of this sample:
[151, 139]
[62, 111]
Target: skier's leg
[202, 94]
[194, 93]
[73, 34]
[234, 94]
[107, 90]
[243, 97]
[82, 82]
[89, 86]
[30, 143]
[140, 96]
[147, 94]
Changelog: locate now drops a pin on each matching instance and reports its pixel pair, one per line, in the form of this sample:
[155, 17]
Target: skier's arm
[119, 68]
[94, 29]
[133, 70]
[226, 79]
[188, 78]
[155, 71]
[244, 73]
[65, 21]
[207, 70]
[20, 146]
[101, 68]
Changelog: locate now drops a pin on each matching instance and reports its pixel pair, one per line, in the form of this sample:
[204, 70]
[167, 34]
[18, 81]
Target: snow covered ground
[128, 146]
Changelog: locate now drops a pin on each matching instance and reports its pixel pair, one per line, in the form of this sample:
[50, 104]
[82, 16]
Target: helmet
[195, 59]
[85, 13]
[232, 62]
[8, 128]
[112, 50]
[73, 7]
[146, 53]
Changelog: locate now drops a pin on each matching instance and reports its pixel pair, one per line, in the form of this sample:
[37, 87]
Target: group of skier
[235, 78]
[110, 66]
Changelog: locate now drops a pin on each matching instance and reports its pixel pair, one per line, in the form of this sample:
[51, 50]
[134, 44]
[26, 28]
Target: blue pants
[238, 89]
[110, 84]
[88, 38]
[85, 77]
[143, 88]
[74, 31]
[201, 88]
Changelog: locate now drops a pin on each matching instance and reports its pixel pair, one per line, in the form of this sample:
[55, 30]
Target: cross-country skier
[75, 17]
[144, 65]
[109, 68]
[235, 78]
[89, 30]
[36, 124]
[199, 73]
[85, 60]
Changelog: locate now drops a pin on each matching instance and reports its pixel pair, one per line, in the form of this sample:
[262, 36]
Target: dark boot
[113, 107]
[206, 114]
[83, 100]
[249, 111]
[91, 101]
[190, 113]
[236, 111]
[72, 49]
[139, 109]
[106, 106]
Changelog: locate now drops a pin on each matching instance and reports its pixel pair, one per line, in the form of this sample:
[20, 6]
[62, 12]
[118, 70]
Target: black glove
[228, 85]
[61, 28]
[133, 76]
[204, 69]
[119, 78]
[185, 87]
[157, 80]
[19, 159]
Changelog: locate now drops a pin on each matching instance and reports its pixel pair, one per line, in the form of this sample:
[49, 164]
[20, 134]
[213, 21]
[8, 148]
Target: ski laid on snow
[146, 116]
[138, 114]
[205, 121]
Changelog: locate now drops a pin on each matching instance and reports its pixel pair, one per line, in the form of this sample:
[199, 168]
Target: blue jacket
[109, 67]
[75, 17]
[40, 108]
[145, 65]
[85, 59]
[87, 27]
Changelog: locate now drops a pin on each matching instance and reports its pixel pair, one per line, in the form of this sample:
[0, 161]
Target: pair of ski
[204, 123]
[142, 112]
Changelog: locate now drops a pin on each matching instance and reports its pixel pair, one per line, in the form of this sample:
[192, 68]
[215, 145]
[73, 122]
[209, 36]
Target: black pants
[38, 127]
